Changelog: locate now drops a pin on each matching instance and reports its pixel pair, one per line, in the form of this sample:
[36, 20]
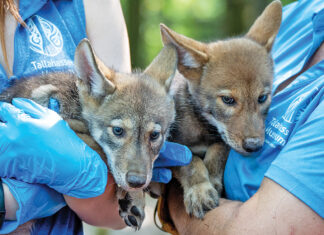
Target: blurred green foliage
[204, 20]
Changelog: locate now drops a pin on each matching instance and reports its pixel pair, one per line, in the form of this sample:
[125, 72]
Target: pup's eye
[262, 98]
[118, 131]
[228, 100]
[154, 135]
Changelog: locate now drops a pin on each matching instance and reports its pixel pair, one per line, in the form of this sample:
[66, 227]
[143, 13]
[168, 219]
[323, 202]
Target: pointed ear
[163, 67]
[266, 26]
[89, 73]
[191, 53]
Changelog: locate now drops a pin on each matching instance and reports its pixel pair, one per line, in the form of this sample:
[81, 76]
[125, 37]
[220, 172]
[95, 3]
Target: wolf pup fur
[125, 117]
[222, 103]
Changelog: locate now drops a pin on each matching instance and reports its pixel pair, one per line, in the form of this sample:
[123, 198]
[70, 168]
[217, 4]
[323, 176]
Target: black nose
[135, 180]
[252, 144]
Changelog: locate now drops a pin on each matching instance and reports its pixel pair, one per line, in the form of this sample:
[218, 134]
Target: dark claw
[135, 211]
[123, 203]
[127, 223]
[132, 220]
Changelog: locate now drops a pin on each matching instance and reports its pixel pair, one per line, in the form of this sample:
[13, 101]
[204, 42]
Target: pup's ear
[88, 71]
[163, 67]
[191, 53]
[266, 26]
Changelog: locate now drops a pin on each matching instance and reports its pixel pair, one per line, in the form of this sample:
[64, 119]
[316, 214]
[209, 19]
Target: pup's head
[128, 114]
[231, 80]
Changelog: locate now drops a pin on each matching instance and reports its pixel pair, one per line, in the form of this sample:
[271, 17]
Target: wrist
[11, 204]
[98, 211]
[33, 201]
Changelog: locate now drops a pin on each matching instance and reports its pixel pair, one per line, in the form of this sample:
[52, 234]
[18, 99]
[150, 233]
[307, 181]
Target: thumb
[10, 113]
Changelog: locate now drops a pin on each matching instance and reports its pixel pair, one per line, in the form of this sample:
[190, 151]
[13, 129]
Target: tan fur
[99, 100]
[237, 68]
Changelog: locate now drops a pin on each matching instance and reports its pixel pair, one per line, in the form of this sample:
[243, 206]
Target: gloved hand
[34, 200]
[171, 154]
[37, 146]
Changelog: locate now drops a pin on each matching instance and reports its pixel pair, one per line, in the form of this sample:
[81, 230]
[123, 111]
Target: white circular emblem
[44, 37]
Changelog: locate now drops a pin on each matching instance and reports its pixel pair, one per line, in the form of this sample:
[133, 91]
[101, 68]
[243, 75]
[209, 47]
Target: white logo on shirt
[45, 38]
[289, 114]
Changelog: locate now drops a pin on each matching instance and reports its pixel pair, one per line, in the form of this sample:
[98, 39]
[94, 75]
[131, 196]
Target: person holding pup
[279, 189]
[44, 166]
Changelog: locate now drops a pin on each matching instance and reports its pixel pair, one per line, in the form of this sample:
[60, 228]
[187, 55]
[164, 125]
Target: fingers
[30, 107]
[9, 113]
[173, 154]
[162, 175]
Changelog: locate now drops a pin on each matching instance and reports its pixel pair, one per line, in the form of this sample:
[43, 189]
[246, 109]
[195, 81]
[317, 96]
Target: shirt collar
[28, 8]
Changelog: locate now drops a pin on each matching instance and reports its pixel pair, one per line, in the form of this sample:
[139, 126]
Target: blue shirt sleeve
[299, 167]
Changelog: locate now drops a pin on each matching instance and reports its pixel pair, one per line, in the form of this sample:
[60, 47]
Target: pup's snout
[135, 180]
[252, 144]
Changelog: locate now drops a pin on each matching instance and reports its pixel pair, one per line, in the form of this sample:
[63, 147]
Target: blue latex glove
[171, 154]
[34, 200]
[37, 146]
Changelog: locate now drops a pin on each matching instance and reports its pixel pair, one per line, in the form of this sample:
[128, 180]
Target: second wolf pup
[222, 103]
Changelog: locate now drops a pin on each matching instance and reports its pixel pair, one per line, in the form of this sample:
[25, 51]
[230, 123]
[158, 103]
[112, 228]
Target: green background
[204, 20]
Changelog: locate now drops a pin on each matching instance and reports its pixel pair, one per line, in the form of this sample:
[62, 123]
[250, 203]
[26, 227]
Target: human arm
[272, 210]
[106, 29]
[99, 211]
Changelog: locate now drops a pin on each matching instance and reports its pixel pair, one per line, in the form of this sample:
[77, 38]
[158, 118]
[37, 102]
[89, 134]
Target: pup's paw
[131, 208]
[200, 198]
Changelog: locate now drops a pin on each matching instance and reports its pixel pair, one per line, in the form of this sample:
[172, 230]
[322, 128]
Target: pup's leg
[215, 160]
[198, 192]
[131, 207]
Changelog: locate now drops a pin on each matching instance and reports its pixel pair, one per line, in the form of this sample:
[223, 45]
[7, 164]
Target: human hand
[34, 201]
[37, 146]
[171, 154]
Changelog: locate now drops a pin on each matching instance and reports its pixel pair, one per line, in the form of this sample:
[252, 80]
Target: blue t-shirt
[293, 153]
[55, 27]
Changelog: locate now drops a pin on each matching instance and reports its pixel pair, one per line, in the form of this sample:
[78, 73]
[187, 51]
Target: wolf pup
[125, 117]
[222, 103]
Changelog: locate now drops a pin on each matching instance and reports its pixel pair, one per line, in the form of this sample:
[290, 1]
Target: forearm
[271, 210]
[99, 211]
[217, 221]
[106, 29]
